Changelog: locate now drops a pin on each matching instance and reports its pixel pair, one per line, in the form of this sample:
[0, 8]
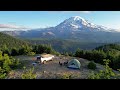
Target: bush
[15, 63]
[107, 73]
[28, 74]
[2, 73]
[55, 53]
[7, 64]
[31, 53]
[92, 65]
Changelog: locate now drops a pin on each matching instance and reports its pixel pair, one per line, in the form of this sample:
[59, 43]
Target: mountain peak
[74, 22]
[79, 23]
[77, 18]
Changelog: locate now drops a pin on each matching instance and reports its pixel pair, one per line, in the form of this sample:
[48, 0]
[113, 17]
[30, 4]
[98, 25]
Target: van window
[72, 64]
[38, 57]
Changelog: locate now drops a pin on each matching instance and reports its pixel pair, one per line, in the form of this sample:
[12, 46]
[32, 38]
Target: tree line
[110, 52]
[30, 50]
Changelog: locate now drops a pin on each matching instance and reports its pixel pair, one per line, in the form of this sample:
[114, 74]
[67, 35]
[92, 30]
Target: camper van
[43, 58]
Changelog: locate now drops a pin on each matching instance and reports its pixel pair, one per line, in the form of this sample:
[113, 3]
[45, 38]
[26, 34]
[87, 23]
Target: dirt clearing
[52, 69]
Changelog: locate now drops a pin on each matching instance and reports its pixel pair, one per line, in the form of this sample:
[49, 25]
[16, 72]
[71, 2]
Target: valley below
[65, 45]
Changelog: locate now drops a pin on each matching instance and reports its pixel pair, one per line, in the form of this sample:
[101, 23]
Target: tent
[74, 63]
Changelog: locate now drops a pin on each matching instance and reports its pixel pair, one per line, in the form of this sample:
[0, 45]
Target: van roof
[46, 55]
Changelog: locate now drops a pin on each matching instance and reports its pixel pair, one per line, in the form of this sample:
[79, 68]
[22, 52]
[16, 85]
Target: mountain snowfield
[77, 22]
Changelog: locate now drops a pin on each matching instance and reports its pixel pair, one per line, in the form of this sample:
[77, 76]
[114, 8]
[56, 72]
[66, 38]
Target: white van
[43, 58]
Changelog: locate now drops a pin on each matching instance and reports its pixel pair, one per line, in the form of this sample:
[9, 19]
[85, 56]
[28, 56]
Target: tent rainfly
[74, 63]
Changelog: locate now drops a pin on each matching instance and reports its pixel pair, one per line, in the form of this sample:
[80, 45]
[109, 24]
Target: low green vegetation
[107, 73]
[7, 64]
[92, 65]
[28, 74]
[31, 53]
[63, 76]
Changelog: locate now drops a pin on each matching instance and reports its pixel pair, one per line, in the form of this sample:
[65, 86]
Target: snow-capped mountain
[75, 22]
[79, 23]
[73, 28]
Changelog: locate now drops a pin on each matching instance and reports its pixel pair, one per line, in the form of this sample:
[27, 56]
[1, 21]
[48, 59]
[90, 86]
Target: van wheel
[44, 62]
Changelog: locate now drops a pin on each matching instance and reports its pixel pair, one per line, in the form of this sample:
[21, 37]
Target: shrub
[31, 53]
[107, 73]
[2, 73]
[14, 63]
[57, 54]
[28, 74]
[7, 64]
[92, 65]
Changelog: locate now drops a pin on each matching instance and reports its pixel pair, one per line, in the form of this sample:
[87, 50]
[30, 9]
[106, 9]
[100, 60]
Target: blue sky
[38, 19]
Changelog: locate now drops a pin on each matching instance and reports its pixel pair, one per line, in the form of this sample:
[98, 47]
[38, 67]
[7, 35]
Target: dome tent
[74, 63]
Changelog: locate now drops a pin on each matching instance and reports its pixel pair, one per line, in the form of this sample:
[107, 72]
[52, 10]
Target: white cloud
[4, 27]
[10, 26]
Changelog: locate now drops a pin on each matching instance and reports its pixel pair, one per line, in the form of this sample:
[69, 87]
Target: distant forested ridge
[7, 43]
[65, 45]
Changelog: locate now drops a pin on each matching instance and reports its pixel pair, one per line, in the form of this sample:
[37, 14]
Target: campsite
[53, 69]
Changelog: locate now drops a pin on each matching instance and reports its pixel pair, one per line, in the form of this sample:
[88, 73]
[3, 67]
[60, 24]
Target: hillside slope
[9, 42]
